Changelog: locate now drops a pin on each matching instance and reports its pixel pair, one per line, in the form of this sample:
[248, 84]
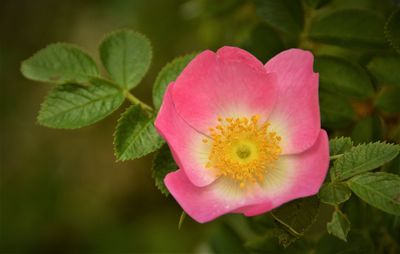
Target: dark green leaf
[71, 106]
[339, 226]
[226, 240]
[298, 215]
[357, 243]
[284, 15]
[389, 99]
[381, 190]
[163, 164]
[345, 78]
[368, 129]
[317, 3]
[340, 145]
[363, 158]
[385, 69]
[264, 42]
[392, 30]
[334, 193]
[168, 74]
[127, 56]
[268, 243]
[60, 63]
[351, 27]
[135, 135]
[336, 112]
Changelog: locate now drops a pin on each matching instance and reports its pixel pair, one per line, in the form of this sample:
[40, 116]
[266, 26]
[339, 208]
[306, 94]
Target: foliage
[357, 47]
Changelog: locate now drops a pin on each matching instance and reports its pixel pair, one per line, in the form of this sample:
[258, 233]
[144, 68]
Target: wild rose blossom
[246, 136]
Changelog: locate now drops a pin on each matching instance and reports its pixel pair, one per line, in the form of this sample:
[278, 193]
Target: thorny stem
[135, 100]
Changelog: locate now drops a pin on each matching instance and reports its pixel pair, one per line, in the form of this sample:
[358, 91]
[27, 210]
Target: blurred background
[61, 191]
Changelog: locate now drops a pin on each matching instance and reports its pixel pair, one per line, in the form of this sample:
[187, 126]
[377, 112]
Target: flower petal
[296, 116]
[307, 173]
[296, 176]
[229, 83]
[190, 153]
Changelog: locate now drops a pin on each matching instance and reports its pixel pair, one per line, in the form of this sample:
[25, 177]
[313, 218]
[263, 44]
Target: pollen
[243, 149]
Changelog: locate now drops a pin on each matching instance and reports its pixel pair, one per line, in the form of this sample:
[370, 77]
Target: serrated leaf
[336, 111]
[381, 190]
[339, 226]
[350, 28]
[163, 163]
[126, 55]
[368, 129]
[60, 63]
[284, 15]
[334, 193]
[71, 106]
[363, 158]
[343, 77]
[297, 216]
[168, 74]
[388, 99]
[340, 145]
[392, 31]
[264, 42]
[135, 135]
[385, 69]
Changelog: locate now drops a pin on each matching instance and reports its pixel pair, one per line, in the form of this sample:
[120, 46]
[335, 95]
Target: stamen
[242, 149]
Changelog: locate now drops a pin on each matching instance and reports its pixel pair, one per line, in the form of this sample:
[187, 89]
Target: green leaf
[168, 74]
[264, 42]
[334, 193]
[363, 158]
[388, 99]
[297, 216]
[60, 63]
[350, 28]
[267, 243]
[135, 135]
[127, 56]
[226, 240]
[163, 164]
[343, 77]
[71, 106]
[381, 190]
[340, 145]
[284, 15]
[336, 112]
[385, 69]
[317, 3]
[339, 226]
[368, 129]
[392, 31]
[357, 243]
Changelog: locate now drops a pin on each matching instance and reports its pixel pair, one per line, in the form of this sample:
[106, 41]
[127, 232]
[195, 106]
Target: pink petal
[190, 153]
[296, 176]
[296, 116]
[310, 168]
[229, 83]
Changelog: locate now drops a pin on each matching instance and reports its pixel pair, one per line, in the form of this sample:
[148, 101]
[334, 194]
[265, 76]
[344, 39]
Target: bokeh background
[61, 191]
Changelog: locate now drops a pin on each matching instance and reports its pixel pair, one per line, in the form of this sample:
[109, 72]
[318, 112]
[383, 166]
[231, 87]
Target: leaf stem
[135, 100]
[334, 157]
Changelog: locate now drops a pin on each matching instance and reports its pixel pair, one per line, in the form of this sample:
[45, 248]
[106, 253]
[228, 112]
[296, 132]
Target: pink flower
[246, 136]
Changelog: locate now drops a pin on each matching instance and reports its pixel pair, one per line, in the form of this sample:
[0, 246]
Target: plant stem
[334, 157]
[135, 100]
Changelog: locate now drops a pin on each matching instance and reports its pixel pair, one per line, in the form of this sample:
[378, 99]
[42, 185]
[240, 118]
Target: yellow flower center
[242, 149]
